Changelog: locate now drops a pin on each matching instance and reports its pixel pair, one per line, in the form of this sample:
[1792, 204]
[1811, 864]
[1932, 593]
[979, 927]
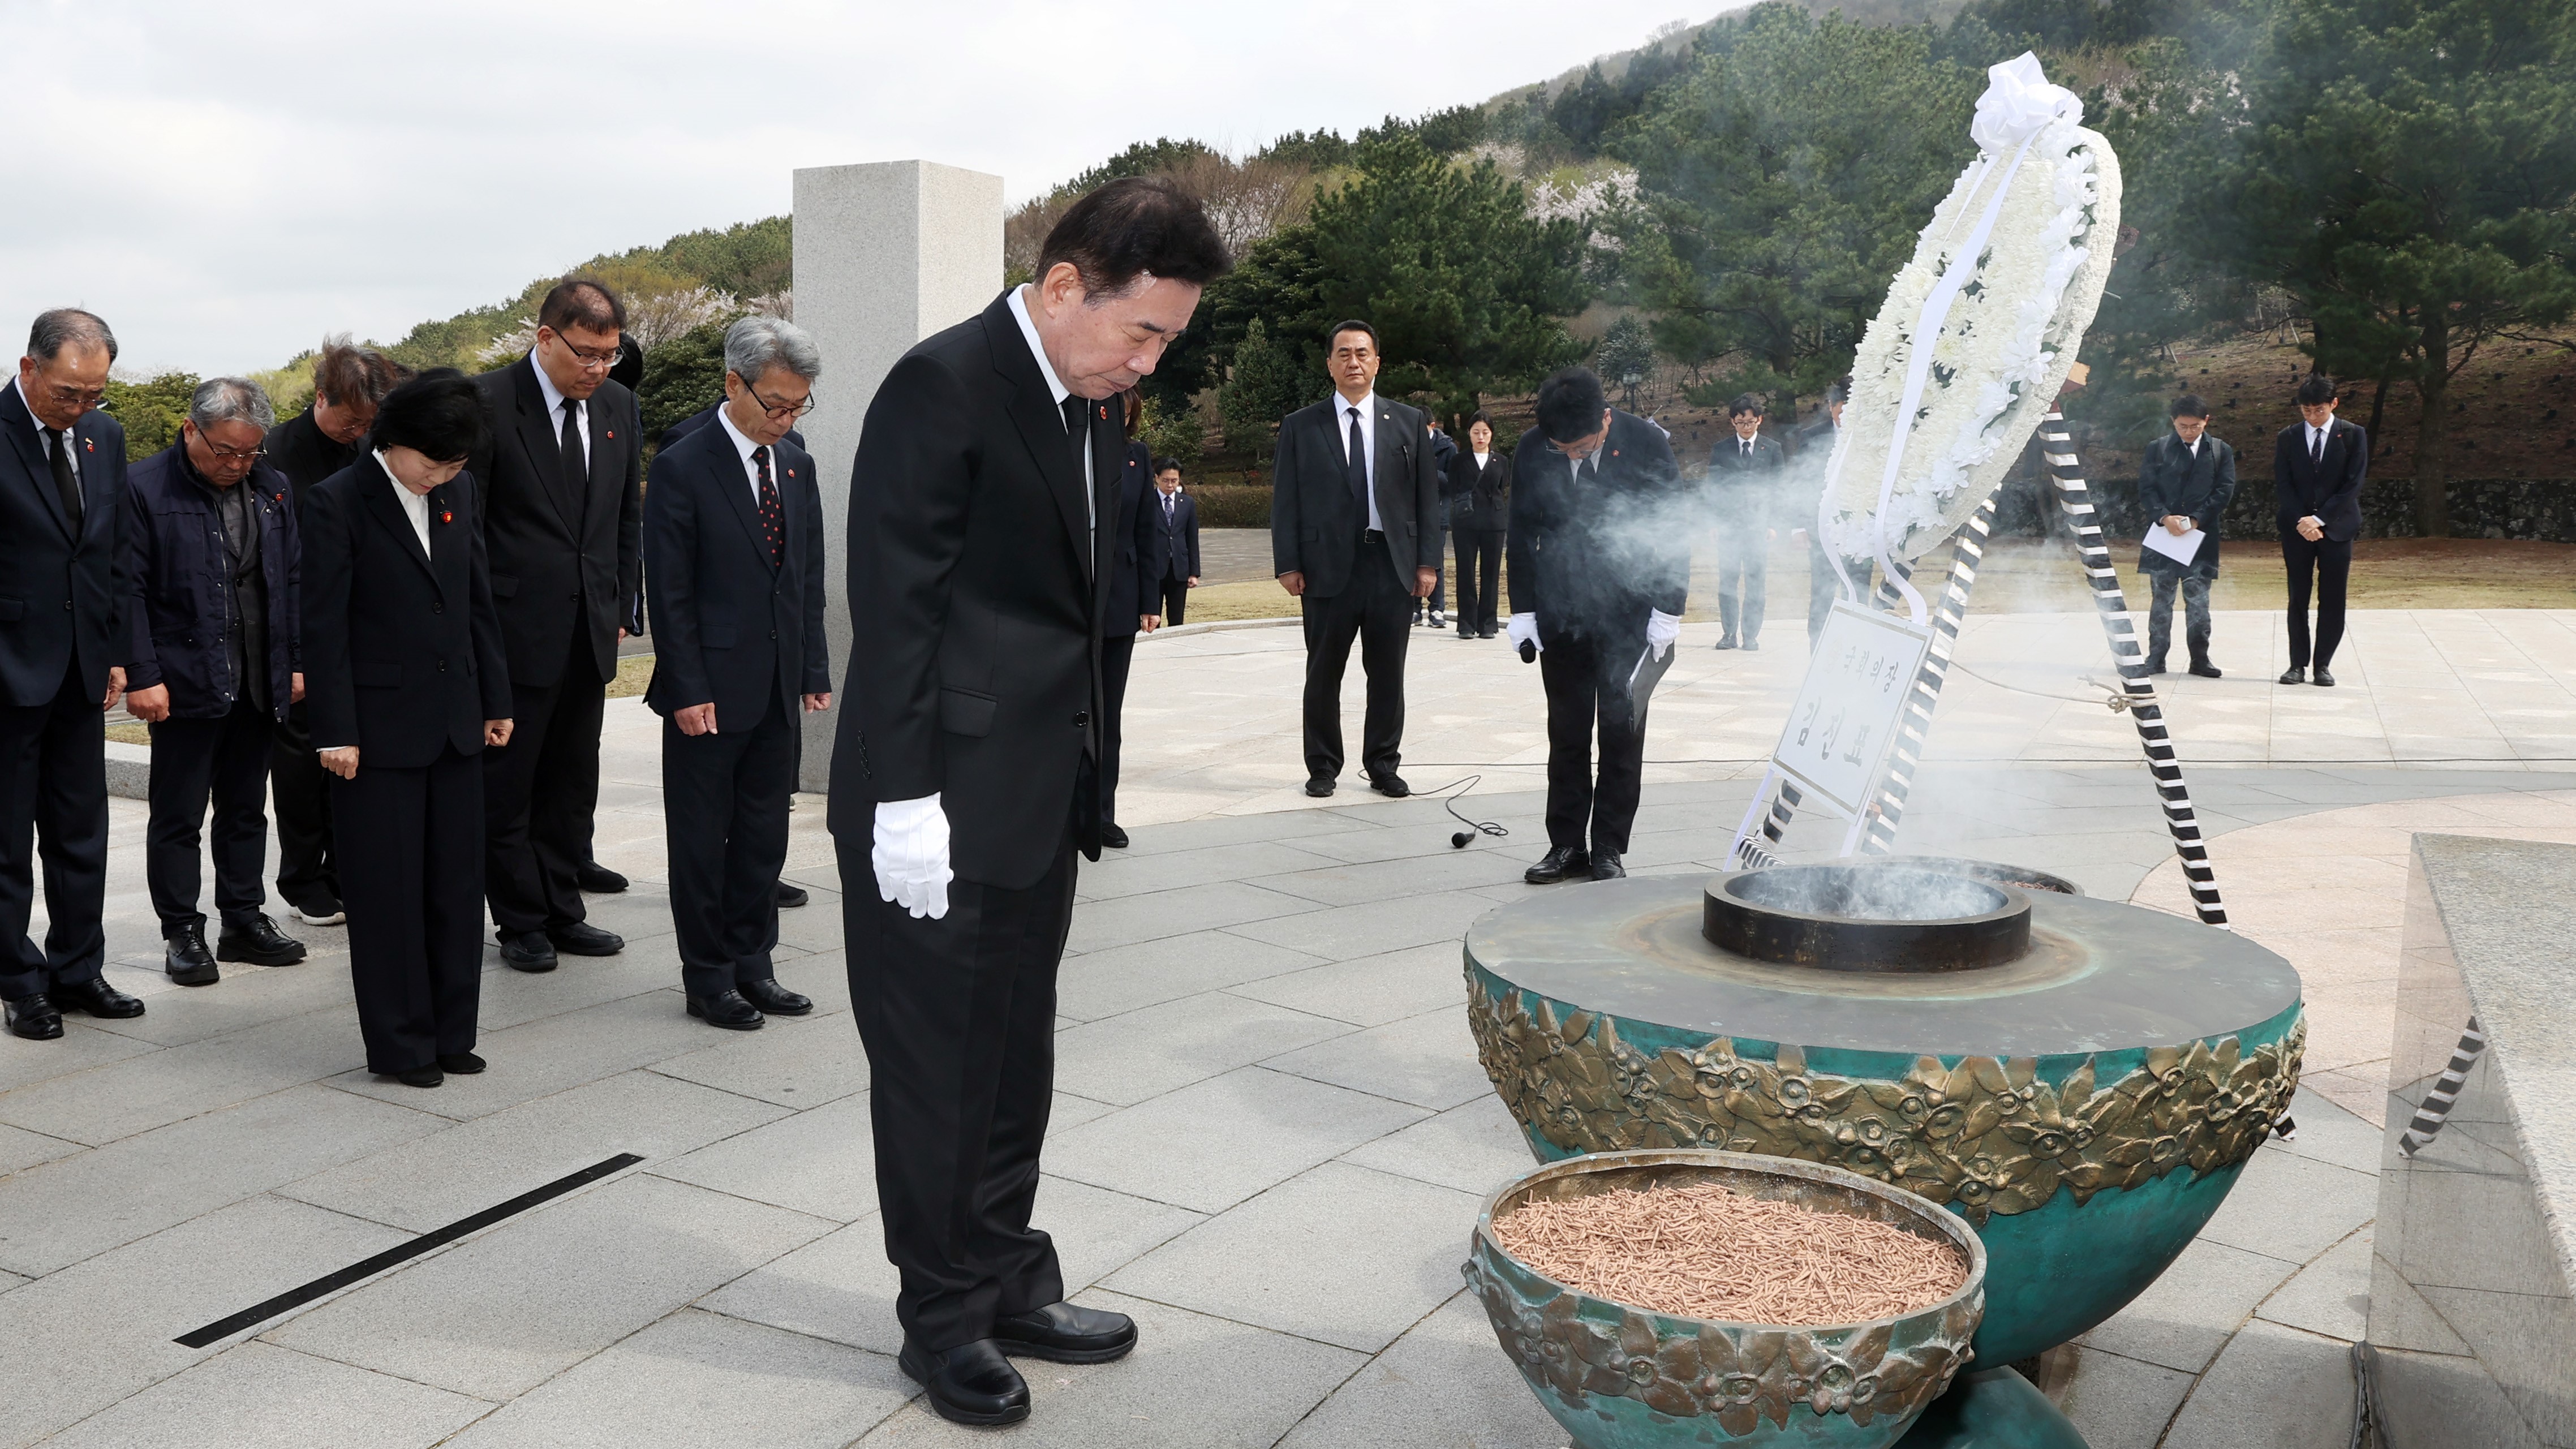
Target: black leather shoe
[581, 938]
[2206, 670]
[1753, 645]
[1112, 836]
[35, 1018]
[791, 896]
[1725, 641]
[188, 961]
[2295, 674]
[428, 1076]
[775, 999]
[1391, 785]
[598, 879]
[1320, 786]
[1484, 633]
[2155, 666]
[1605, 864]
[527, 951]
[97, 998]
[726, 1009]
[1064, 1333]
[463, 1064]
[2324, 676]
[259, 943]
[969, 1384]
[1564, 862]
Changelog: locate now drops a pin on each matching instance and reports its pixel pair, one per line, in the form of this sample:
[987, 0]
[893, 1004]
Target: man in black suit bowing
[965, 772]
[1355, 538]
[2317, 469]
[1170, 544]
[733, 540]
[563, 520]
[62, 595]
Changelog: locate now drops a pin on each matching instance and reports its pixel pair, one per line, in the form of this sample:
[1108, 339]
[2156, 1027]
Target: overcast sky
[226, 183]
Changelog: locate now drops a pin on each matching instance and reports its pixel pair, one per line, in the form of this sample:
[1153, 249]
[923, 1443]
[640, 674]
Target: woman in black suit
[1480, 501]
[405, 686]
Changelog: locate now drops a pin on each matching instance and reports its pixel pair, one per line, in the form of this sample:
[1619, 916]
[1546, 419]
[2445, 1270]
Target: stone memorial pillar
[887, 253]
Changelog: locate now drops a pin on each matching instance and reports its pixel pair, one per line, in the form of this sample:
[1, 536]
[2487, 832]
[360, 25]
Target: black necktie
[1077, 425]
[1747, 449]
[773, 522]
[1356, 467]
[2316, 446]
[576, 467]
[64, 483]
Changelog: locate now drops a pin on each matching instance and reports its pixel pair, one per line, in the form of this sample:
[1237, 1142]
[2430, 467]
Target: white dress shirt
[1368, 443]
[554, 407]
[2317, 439]
[1046, 369]
[415, 506]
[1480, 461]
[64, 435]
[751, 470]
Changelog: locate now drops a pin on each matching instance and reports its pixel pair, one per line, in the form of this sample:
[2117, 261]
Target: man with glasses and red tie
[62, 495]
[563, 521]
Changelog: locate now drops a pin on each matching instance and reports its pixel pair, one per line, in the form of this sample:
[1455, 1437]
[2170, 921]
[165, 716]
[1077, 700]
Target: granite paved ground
[1271, 1136]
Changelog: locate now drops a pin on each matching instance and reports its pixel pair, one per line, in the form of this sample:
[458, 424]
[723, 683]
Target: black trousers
[1377, 609]
[1823, 587]
[1117, 656]
[958, 1017]
[1586, 676]
[53, 784]
[1439, 566]
[1176, 599]
[299, 788]
[2194, 588]
[724, 810]
[414, 883]
[2330, 565]
[1480, 579]
[539, 793]
[1743, 561]
[193, 759]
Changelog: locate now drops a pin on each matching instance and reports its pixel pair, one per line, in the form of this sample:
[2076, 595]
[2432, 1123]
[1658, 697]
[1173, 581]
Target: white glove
[911, 855]
[1661, 630]
[1522, 629]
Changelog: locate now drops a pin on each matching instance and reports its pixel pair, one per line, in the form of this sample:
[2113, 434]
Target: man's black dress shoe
[1391, 785]
[188, 961]
[527, 951]
[726, 1009]
[1112, 836]
[1725, 641]
[1484, 633]
[259, 943]
[1564, 862]
[1320, 786]
[2206, 670]
[2295, 674]
[97, 998]
[581, 938]
[791, 896]
[1605, 864]
[2155, 666]
[463, 1064]
[1753, 645]
[1064, 1333]
[2323, 677]
[969, 1384]
[34, 1018]
[428, 1076]
[775, 999]
[598, 879]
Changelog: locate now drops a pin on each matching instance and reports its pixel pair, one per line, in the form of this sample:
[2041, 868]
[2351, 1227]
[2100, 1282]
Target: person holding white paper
[2184, 482]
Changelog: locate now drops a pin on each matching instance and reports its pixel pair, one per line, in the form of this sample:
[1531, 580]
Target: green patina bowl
[1621, 1377]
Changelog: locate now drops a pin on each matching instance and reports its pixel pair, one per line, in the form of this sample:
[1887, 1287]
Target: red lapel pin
[89, 445]
[612, 435]
[791, 472]
[446, 517]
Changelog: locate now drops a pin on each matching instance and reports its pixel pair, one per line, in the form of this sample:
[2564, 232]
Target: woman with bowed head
[405, 687]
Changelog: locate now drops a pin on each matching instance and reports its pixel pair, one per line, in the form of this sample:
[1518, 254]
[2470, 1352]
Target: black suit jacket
[977, 589]
[1127, 582]
[62, 593]
[1593, 556]
[1480, 499]
[2196, 483]
[1315, 523]
[1168, 550]
[1746, 488]
[298, 450]
[402, 651]
[565, 553]
[2329, 490]
[731, 628]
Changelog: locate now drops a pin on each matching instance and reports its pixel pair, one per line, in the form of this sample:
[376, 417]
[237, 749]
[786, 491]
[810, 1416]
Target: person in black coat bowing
[1480, 515]
[1355, 539]
[2184, 481]
[62, 604]
[1744, 483]
[2318, 464]
[407, 683]
[966, 769]
[733, 541]
[1600, 549]
[560, 473]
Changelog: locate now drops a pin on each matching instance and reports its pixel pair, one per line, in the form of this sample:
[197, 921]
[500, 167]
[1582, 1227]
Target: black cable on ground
[1467, 837]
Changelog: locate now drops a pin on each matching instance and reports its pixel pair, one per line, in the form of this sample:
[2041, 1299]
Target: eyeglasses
[789, 412]
[77, 397]
[233, 455]
[590, 361]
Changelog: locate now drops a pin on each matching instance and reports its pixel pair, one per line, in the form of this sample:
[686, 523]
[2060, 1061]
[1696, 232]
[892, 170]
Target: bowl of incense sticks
[1694, 1297]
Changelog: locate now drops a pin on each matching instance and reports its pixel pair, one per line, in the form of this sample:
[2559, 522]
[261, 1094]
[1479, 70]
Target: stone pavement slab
[1445, 1372]
[1145, 1053]
[1215, 1143]
[2296, 1386]
[275, 1398]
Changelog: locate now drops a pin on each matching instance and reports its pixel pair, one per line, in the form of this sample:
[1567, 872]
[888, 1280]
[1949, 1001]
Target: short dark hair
[628, 370]
[1570, 405]
[346, 373]
[1134, 227]
[1481, 416]
[1745, 402]
[438, 414]
[584, 302]
[63, 326]
[2189, 405]
[1334, 333]
[1166, 465]
[2318, 390]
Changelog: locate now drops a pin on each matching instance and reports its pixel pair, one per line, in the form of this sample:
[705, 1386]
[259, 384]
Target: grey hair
[63, 326]
[756, 344]
[230, 400]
